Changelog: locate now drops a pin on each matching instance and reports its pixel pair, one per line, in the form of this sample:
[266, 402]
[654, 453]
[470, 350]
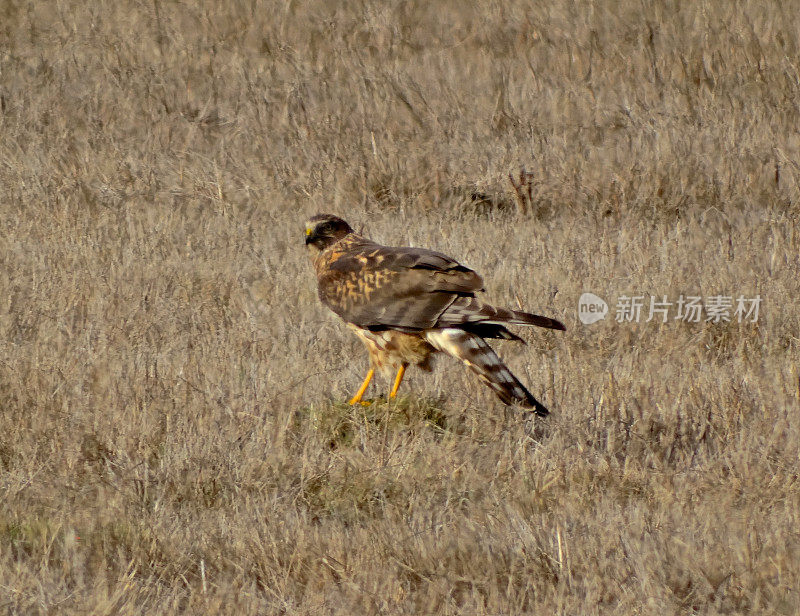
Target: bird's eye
[326, 228]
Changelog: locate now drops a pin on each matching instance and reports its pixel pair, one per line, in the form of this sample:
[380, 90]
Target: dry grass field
[173, 431]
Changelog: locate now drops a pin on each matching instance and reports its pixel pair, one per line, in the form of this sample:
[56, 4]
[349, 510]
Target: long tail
[476, 353]
[468, 310]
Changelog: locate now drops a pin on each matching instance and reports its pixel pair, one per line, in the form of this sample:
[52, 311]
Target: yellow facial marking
[308, 230]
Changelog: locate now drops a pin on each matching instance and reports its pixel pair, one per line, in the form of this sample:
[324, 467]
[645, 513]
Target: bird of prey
[408, 303]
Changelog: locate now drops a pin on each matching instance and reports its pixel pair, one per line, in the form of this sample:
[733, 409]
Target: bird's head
[323, 230]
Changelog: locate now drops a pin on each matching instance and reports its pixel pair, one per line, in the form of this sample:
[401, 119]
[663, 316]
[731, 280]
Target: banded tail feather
[479, 357]
[468, 310]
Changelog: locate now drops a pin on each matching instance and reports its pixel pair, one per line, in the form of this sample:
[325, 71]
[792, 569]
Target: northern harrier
[408, 303]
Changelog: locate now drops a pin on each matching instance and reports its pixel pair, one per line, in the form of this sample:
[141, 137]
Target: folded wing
[376, 287]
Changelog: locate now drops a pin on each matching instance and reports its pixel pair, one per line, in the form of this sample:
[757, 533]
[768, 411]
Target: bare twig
[523, 189]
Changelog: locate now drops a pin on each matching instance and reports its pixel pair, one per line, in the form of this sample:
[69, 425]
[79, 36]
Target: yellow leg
[397, 381]
[357, 398]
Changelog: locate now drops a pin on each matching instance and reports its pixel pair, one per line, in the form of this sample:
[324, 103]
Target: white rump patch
[449, 340]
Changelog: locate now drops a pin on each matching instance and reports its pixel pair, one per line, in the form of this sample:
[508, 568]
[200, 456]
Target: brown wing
[375, 287]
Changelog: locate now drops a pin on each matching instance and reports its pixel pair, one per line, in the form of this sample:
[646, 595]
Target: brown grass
[172, 436]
